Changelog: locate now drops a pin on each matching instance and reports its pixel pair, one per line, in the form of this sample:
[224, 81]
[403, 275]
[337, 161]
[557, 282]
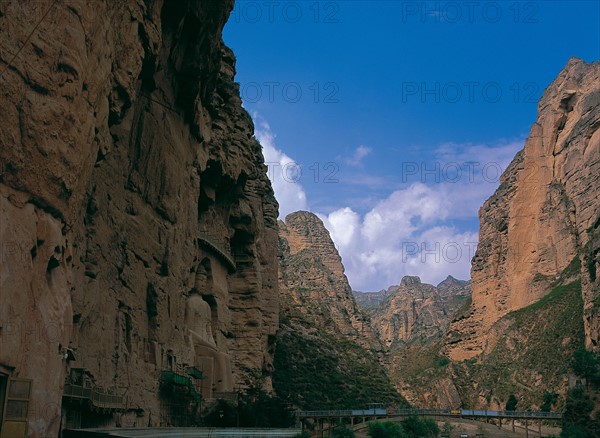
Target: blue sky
[392, 120]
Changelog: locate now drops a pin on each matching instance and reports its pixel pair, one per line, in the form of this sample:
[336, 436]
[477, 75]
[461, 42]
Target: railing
[429, 412]
[98, 397]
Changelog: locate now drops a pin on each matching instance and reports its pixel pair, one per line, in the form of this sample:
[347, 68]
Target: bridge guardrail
[428, 412]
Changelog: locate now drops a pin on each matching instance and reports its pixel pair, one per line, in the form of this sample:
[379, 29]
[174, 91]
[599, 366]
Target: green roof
[194, 372]
[170, 377]
[174, 378]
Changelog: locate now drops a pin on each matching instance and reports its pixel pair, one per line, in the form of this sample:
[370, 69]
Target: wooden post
[540, 428]
[526, 428]
[513, 425]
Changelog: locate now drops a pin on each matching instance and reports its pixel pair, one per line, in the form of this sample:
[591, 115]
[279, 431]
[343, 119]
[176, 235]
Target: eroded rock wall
[130, 183]
[418, 312]
[312, 281]
[545, 212]
[323, 332]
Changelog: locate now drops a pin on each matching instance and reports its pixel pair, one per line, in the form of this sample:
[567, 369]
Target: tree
[343, 431]
[257, 408]
[550, 398]
[386, 429]
[511, 404]
[420, 427]
[585, 364]
[577, 422]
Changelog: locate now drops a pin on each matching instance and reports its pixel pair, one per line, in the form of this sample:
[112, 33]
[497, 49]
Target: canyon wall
[545, 213]
[138, 226]
[327, 354]
[312, 280]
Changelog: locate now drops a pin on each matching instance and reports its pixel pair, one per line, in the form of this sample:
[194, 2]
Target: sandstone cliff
[312, 280]
[137, 223]
[327, 354]
[545, 212]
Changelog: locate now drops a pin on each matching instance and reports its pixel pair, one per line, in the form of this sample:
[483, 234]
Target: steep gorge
[545, 212]
[535, 288]
[137, 221]
[535, 291]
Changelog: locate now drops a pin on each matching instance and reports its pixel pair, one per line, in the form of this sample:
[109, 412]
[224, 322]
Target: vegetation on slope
[530, 358]
[412, 427]
[580, 420]
[532, 355]
[316, 370]
[534, 358]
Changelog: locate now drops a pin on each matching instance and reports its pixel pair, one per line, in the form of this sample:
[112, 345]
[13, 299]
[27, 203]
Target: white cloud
[412, 230]
[401, 236]
[359, 154]
[282, 171]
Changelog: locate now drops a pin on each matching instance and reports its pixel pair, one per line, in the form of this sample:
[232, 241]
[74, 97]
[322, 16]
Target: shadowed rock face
[545, 212]
[130, 183]
[313, 283]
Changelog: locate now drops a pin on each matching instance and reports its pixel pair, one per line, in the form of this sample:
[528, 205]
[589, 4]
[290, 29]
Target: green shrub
[577, 422]
[343, 431]
[386, 429]
[420, 427]
[511, 404]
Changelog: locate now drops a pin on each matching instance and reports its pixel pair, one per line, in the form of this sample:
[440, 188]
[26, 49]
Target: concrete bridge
[325, 420]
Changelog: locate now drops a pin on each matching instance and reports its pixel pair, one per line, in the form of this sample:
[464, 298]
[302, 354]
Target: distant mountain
[368, 300]
[414, 311]
[411, 320]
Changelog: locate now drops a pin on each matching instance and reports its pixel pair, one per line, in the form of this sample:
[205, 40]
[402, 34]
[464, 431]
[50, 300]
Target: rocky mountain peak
[413, 311]
[312, 280]
[410, 280]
